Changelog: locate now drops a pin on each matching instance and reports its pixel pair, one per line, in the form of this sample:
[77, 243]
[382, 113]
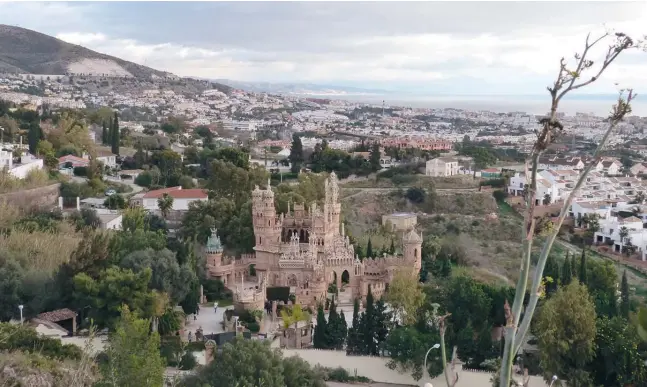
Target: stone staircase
[345, 298]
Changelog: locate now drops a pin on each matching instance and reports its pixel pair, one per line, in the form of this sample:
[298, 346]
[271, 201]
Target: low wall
[42, 197]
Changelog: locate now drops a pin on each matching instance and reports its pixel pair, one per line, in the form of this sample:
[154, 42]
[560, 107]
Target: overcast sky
[440, 47]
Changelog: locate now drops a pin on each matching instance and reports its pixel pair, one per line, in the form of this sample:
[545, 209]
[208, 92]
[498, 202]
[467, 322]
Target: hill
[30, 52]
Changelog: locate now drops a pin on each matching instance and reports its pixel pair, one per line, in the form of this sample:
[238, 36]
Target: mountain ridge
[26, 51]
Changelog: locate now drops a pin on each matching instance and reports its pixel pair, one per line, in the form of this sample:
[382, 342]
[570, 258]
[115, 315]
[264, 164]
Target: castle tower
[214, 251]
[412, 246]
[332, 206]
[264, 218]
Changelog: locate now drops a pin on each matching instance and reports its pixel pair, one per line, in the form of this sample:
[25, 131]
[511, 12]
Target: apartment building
[419, 143]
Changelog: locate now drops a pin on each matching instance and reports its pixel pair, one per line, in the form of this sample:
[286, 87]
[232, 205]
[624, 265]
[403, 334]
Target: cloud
[478, 48]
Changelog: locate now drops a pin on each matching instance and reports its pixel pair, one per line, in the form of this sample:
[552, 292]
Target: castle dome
[214, 245]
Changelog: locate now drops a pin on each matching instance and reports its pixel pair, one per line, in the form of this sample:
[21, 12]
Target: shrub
[188, 362]
[499, 195]
[416, 195]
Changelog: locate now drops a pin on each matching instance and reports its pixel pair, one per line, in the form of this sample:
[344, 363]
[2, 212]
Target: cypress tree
[624, 296]
[352, 340]
[583, 275]
[104, 133]
[574, 267]
[567, 272]
[552, 271]
[367, 326]
[115, 135]
[34, 136]
[392, 248]
[319, 339]
[369, 252]
[336, 330]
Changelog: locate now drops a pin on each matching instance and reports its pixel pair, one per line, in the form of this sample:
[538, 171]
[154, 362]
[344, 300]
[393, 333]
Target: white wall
[21, 171]
[178, 204]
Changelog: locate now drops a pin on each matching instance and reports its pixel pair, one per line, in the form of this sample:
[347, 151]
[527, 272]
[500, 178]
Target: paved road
[130, 183]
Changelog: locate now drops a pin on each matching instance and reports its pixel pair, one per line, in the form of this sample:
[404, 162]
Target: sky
[434, 48]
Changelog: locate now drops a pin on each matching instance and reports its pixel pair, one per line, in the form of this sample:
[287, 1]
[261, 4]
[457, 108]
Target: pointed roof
[214, 245]
[412, 237]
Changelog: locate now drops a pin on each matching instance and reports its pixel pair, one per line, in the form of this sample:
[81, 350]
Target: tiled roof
[57, 315]
[67, 158]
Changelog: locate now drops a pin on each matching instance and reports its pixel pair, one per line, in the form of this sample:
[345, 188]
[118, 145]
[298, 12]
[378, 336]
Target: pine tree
[380, 327]
[115, 135]
[624, 296]
[104, 133]
[369, 249]
[319, 340]
[567, 272]
[352, 340]
[583, 275]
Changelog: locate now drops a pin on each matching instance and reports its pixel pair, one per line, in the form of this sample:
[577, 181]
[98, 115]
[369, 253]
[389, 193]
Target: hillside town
[182, 225]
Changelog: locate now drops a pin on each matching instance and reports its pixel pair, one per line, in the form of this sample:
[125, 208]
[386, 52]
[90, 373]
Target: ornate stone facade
[307, 249]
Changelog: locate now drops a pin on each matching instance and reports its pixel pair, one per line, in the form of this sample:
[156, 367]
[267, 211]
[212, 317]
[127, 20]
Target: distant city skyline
[430, 48]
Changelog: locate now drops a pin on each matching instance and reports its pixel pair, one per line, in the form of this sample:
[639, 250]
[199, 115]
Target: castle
[307, 250]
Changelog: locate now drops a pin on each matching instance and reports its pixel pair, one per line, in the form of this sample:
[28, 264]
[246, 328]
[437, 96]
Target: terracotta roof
[67, 158]
[178, 193]
[57, 315]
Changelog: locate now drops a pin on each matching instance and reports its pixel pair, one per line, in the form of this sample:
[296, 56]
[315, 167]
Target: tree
[352, 341]
[115, 202]
[133, 354]
[405, 296]
[618, 361]
[104, 133]
[566, 334]
[115, 139]
[296, 153]
[319, 339]
[34, 136]
[369, 249]
[407, 348]
[167, 275]
[114, 288]
[374, 157]
[336, 329]
[552, 271]
[12, 275]
[583, 274]
[248, 363]
[568, 79]
[624, 296]
[567, 271]
[165, 204]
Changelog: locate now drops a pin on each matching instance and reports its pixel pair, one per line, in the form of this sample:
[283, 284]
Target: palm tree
[165, 204]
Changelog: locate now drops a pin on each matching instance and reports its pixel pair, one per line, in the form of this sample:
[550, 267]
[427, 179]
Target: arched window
[269, 222]
[260, 240]
[415, 253]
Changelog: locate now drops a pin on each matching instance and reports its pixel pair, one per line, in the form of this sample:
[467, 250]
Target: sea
[599, 105]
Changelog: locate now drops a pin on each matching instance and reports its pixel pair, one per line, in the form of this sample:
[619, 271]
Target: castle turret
[412, 246]
[264, 217]
[332, 206]
[214, 252]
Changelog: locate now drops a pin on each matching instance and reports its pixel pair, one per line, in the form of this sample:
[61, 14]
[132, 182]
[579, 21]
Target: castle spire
[269, 186]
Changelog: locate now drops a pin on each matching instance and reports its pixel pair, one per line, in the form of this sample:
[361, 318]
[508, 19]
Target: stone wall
[42, 197]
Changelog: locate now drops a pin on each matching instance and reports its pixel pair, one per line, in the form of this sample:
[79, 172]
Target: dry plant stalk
[567, 81]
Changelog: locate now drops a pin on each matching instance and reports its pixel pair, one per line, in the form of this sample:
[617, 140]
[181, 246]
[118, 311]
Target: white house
[442, 166]
[545, 188]
[181, 198]
[638, 169]
[107, 158]
[601, 209]
[610, 230]
[612, 167]
[19, 170]
[554, 162]
[110, 220]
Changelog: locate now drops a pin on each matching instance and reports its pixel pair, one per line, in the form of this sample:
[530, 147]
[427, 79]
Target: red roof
[69, 158]
[178, 193]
